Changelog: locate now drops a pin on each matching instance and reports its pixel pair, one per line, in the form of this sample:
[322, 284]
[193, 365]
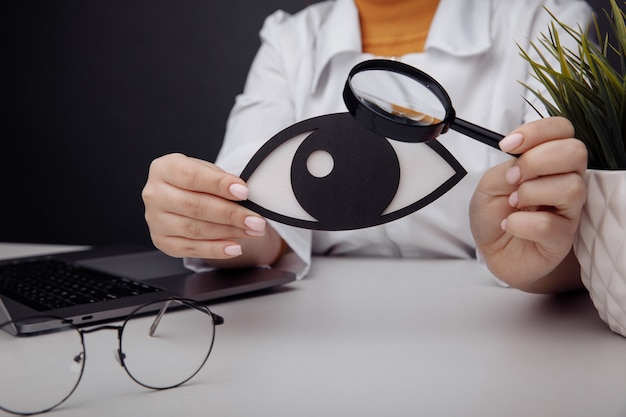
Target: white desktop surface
[382, 337]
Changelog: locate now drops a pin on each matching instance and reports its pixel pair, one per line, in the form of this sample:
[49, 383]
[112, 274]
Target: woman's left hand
[525, 212]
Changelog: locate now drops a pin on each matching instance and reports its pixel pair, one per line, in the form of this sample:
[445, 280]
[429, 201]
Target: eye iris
[361, 182]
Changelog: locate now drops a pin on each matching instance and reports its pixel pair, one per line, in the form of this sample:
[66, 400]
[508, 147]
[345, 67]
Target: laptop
[112, 282]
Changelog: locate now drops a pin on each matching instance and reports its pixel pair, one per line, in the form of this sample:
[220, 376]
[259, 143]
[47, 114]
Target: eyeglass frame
[119, 355]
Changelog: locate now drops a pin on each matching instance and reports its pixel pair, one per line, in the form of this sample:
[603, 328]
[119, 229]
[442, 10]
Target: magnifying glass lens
[398, 97]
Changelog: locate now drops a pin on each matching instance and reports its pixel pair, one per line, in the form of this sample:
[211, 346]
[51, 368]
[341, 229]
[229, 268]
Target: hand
[191, 211]
[524, 213]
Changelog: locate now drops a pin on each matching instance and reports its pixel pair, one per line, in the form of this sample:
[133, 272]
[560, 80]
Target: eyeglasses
[161, 345]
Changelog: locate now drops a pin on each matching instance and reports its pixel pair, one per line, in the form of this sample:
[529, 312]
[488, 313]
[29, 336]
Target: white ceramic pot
[600, 245]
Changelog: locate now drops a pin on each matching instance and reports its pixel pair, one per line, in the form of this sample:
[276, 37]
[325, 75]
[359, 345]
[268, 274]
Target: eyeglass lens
[175, 351]
[162, 345]
[43, 370]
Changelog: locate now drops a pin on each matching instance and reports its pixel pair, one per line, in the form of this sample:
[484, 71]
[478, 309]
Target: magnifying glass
[398, 101]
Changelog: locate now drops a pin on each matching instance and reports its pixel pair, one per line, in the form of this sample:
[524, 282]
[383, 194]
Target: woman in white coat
[517, 215]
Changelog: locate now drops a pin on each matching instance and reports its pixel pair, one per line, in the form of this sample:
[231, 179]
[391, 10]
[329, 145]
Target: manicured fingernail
[514, 199]
[233, 250]
[503, 224]
[513, 175]
[255, 224]
[512, 141]
[239, 191]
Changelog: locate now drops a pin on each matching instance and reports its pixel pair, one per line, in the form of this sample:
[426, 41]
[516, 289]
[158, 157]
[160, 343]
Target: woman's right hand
[191, 210]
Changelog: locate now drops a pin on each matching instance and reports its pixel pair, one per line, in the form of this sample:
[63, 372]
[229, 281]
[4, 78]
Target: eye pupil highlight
[320, 163]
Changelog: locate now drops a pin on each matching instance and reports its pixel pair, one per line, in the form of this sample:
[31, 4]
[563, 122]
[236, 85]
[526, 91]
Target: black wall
[93, 90]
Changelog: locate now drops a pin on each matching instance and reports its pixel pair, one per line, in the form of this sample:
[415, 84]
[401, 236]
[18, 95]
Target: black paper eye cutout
[331, 173]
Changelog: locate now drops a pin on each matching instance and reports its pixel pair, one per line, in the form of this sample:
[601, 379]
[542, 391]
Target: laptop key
[50, 283]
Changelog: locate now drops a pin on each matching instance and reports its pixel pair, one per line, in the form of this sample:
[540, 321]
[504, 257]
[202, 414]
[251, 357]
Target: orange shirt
[395, 27]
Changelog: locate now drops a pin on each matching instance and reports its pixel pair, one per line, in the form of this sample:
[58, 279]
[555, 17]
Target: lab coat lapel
[340, 33]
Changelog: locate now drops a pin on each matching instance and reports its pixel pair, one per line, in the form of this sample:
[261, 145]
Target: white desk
[367, 337]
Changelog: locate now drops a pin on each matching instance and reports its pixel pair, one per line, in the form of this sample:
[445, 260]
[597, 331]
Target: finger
[565, 193]
[490, 204]
[542, 227]
[200, 206]
[180, 247]
[549, 158]
[196, 175]
[213, 209]
[494, 182]
[554, 157]
[172, 225]
[536, 132]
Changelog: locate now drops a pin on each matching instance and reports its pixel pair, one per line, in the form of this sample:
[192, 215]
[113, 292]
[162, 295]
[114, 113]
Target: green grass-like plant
[586, 88]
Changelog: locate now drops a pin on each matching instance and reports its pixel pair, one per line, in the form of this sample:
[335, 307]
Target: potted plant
[583, 86]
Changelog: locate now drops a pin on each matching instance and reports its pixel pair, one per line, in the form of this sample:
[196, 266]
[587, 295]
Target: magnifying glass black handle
[481, 134]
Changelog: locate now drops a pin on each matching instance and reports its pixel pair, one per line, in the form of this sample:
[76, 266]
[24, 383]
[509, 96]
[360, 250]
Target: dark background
[92, 91]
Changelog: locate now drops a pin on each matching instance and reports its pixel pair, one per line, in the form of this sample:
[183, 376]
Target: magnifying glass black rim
[387, 125]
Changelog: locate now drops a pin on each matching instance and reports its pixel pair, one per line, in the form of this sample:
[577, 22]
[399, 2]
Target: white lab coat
[300, 70]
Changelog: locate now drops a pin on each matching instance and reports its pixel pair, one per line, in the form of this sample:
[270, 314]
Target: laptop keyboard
[49, 283]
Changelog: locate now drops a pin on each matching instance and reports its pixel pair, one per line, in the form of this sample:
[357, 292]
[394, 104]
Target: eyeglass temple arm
[158, 318]
[217, 319]
[5, 317]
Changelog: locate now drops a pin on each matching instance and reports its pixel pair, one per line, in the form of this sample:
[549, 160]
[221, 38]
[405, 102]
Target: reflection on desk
[373, 337]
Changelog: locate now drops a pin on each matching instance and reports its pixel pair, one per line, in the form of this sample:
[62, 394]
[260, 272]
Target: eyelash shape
[331, 173]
